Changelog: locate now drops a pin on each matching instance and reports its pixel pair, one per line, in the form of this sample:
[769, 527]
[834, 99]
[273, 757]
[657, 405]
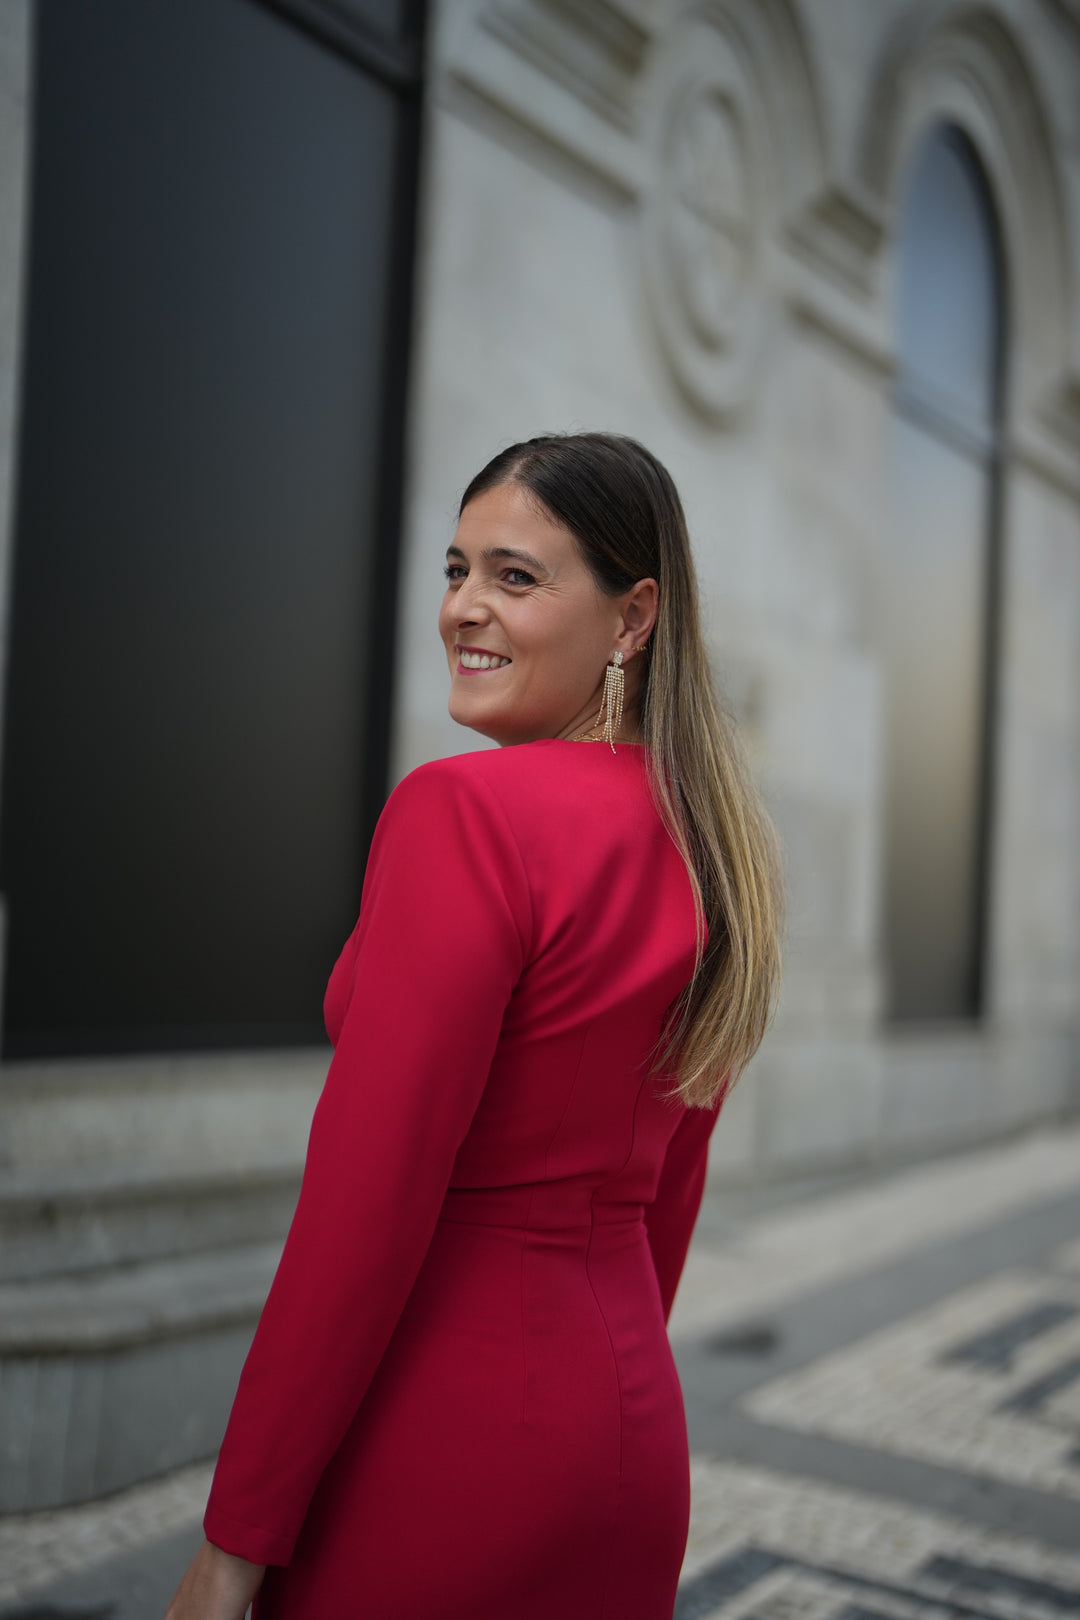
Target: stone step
[120, 1306]
[201, 1109]
[115, 1375]
[54, 1222]
[143, 1201]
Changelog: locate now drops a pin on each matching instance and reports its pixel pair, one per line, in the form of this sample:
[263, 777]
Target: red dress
[460, 1399]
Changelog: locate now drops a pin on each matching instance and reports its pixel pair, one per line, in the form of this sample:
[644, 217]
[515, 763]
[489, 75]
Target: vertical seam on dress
[528, 1220]
[611, 1342]
[618, 1386]
[527, 949]
[524, 1322]
[607, 1330]
[497, 801]
[554, 1137]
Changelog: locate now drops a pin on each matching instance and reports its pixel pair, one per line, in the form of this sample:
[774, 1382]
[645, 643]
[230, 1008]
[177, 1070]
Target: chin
[466, 714]
[493, 726]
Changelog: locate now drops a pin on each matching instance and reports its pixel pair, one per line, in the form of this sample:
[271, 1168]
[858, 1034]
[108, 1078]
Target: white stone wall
[569, 278]
[567, 281]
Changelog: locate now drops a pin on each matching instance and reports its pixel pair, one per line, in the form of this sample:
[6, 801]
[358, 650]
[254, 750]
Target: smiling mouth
[481, 661]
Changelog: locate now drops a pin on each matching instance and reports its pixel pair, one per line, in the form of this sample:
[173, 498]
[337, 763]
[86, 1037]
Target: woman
[460, 1399]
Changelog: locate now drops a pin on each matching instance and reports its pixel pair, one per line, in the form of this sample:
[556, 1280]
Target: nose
[469, 604]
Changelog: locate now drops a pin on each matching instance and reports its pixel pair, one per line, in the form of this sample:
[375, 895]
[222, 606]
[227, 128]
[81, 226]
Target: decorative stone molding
[734, 142]
[1068, 11]
[595, 51]
[945, 60]
[563, 75]
[840, 233]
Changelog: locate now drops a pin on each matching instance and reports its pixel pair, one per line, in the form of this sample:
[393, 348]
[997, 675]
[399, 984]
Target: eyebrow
[492, 552]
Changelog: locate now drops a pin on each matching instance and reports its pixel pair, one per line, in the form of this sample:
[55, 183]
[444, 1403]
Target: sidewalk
[882, 1380]
[883, 1393]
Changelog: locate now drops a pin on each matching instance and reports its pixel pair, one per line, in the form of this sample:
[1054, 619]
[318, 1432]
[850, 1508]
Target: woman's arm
[216, 1586]
[442, 938]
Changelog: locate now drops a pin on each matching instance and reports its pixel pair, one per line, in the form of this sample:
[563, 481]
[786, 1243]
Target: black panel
[382, 36]
[215, 204]
[381, 16]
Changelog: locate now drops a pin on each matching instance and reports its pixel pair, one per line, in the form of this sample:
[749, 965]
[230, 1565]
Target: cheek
[561, 661]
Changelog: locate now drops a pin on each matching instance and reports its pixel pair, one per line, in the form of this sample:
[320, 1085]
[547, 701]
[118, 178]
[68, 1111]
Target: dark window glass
[198, 544]
[939, 584]
[947, 303]
[393, 22]
[383, 16]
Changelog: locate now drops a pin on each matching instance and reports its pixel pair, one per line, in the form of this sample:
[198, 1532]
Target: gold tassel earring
[612, 706]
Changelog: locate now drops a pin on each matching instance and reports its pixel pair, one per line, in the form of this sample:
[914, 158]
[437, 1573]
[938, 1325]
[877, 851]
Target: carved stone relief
[735, 146]
[709, 210]
[704, 215]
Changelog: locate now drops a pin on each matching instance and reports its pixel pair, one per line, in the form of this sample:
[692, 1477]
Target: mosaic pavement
[883, 1393]
[768, 1547]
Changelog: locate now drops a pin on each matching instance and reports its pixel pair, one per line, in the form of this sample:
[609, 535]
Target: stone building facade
[823, 257]
[683, 222]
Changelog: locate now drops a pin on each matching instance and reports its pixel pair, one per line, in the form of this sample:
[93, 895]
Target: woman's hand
[216, 1586]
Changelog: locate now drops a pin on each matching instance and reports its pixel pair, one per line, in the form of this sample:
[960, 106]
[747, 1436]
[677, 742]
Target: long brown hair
[623, 509]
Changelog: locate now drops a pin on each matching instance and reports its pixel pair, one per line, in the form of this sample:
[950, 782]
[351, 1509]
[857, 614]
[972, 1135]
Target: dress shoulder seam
[491, 794]
[451, 765]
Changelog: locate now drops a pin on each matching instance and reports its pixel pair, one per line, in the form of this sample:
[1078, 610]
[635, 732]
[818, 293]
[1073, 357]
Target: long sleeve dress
[460, 1399]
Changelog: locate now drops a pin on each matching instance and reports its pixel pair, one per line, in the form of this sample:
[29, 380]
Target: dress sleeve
[669, 1219]
[441, 940]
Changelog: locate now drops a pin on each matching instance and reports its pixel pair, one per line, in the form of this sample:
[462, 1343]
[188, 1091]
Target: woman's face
[519, 592]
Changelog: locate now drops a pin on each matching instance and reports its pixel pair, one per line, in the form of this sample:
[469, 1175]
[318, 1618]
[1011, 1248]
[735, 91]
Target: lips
[476, 659]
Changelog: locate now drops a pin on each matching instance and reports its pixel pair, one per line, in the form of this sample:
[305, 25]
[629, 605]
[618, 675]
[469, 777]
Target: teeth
[481, 660]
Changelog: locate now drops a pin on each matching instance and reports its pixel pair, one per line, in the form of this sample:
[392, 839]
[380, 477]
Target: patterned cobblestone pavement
[882, 1380]
[772, 1547]
[888, 1427]
[988, 1382]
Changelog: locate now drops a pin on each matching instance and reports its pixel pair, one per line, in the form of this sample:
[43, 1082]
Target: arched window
[940, 582]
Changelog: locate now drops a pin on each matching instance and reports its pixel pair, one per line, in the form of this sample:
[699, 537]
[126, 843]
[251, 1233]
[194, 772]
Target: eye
[452, 570]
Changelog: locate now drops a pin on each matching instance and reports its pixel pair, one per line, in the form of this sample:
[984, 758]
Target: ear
[638, 615]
